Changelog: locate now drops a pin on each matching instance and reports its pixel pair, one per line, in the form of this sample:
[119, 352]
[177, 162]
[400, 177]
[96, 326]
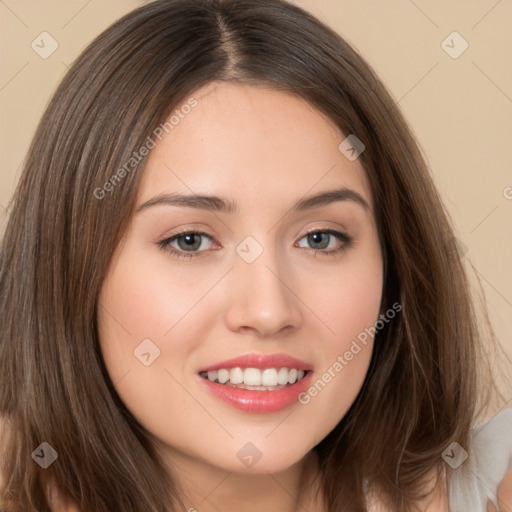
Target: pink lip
[259, 401]
[260, 361]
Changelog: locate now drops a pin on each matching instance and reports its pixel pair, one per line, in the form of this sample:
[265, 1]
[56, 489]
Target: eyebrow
[218, 204]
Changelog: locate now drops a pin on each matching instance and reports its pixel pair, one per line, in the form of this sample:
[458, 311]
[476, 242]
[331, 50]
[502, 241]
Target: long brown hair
[421, 389]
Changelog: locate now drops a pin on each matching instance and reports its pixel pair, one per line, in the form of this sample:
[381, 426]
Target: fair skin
[264, 151]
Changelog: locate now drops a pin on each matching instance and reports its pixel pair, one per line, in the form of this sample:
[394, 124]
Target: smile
[257, 383]
[269, 379]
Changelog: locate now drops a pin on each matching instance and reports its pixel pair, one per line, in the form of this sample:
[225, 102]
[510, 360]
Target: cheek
[156, 301]
[348, 305]
[147, 309]
[346, 301]
[142, 342]
[148, 297]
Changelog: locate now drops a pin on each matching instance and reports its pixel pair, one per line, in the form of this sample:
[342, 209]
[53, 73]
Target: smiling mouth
[255, 379]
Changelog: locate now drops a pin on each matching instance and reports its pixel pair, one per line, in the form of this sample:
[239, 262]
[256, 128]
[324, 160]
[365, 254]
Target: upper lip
[261, 361]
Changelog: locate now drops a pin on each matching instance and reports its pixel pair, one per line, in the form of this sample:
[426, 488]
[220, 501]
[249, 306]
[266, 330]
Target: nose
[261, 296]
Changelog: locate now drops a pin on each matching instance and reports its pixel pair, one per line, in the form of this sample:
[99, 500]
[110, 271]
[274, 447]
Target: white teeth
[236, 376]
[292, 376]
[254, 378]
[282, 376]
[269, 377]
[223, 376]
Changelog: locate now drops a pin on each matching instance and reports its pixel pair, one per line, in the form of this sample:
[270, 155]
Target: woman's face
[285, 273]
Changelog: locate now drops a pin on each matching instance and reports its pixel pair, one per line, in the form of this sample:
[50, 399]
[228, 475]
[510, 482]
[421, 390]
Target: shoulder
[505, 492]
[435, 500]
[484, 481]
[438, 499]
[57, 502]
[3, 443]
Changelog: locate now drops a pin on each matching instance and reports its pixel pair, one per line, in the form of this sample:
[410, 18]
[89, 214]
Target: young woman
[228, 283]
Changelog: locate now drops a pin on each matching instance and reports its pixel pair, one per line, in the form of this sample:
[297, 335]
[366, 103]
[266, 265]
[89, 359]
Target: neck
[207, 488]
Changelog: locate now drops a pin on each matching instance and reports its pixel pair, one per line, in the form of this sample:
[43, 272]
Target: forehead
[249, 141]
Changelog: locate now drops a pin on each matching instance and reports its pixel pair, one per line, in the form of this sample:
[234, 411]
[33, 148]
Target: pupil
[190, 242]
[316, 238]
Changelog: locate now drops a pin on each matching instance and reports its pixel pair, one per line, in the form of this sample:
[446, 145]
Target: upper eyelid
[172, 238]
[204, 233]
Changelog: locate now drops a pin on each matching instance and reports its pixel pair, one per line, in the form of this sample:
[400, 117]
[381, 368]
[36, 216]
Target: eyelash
[164, 245]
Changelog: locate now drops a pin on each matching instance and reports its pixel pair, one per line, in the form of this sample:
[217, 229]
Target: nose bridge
[262, 297]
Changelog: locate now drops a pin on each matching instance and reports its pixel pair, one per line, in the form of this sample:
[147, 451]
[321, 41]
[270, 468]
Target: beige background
[460, 109]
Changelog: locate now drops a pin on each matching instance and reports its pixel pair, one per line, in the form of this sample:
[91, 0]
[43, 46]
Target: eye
[334, 241]
[186, 244]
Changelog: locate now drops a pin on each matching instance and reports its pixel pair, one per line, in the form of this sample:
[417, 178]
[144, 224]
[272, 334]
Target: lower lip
[259, 401]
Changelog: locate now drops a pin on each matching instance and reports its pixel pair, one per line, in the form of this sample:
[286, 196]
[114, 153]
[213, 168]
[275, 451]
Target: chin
[267, 458]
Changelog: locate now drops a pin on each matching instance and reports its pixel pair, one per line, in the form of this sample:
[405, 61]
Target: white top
[475, 476]
[476, 480]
